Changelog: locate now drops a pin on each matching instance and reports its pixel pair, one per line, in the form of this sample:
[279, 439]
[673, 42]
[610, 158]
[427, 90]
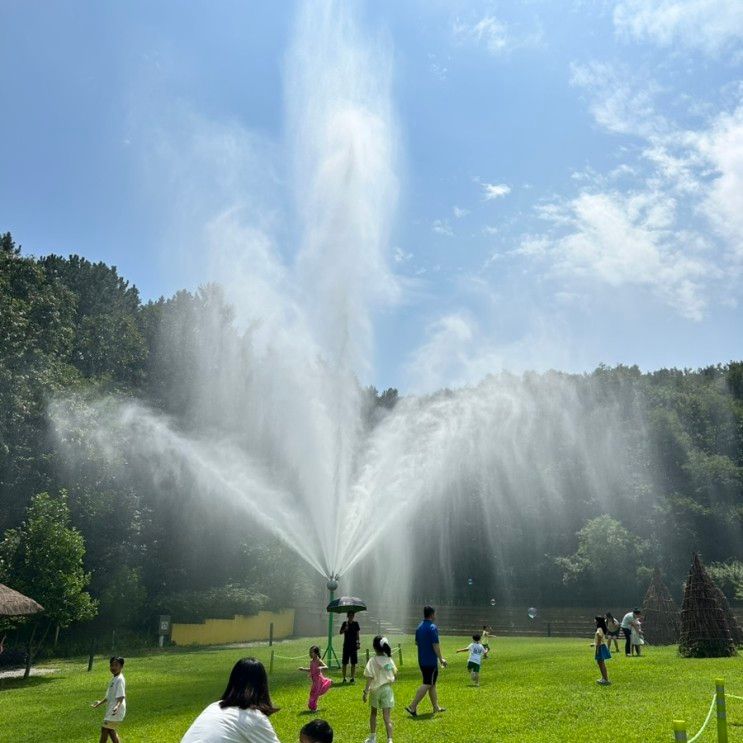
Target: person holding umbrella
[351, 632]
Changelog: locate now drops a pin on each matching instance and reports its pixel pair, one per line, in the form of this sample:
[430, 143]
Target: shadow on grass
[9, 684]
[424, 716]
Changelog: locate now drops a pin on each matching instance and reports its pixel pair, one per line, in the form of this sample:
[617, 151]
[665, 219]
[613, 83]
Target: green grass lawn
[531, 690]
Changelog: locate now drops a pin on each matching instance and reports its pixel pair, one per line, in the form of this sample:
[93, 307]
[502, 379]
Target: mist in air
[273, 417]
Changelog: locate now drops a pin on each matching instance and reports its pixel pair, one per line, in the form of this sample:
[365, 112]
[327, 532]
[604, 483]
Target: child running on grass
[602, 652]
[380, 674]
[319, 683]
[485, 637]
[115, 701]
[477, 652]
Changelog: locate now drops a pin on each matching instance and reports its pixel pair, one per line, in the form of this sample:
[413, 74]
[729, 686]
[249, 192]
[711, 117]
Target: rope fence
[719, 703]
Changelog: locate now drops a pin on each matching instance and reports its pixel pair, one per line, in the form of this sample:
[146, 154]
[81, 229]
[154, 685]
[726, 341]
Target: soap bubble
[469, 581]
[492, 602]
[532, 612]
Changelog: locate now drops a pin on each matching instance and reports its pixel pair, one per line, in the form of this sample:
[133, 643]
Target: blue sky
[571, 174]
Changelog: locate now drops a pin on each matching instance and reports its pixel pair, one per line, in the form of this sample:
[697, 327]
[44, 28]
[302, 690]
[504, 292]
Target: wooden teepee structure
[735, 630]
[705, 632]
[661, 617]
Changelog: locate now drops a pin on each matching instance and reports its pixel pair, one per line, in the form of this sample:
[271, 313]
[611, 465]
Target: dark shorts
[430, 674]
[350, 655]
[613, 634]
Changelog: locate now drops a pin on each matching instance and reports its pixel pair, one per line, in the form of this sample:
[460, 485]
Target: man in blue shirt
[429, 657]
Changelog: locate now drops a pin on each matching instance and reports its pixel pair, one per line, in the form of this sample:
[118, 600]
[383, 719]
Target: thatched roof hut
[14, 604]
[705, 632]
[661, 616]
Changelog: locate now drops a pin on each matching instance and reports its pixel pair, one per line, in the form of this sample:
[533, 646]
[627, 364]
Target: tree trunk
[29, 646]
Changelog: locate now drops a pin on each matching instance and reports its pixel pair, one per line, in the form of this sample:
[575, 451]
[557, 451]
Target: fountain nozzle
[332, 583]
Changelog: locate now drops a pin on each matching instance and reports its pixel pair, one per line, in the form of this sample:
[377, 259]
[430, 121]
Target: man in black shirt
[350, 630]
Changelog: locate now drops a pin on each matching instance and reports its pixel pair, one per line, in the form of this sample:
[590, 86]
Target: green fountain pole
[329, 655]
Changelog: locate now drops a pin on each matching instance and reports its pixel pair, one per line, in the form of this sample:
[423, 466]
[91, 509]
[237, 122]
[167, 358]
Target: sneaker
[440, 709]
[603, 682]
[352, 681]
[344, 681]
[371, 739]
[411, 712]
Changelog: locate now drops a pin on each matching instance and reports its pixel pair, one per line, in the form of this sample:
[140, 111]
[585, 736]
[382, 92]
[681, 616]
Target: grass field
[531, 690]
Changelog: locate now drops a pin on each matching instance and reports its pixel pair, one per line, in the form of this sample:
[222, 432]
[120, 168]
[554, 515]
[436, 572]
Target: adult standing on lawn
[351, 631]
[429, 657]
[631, 619]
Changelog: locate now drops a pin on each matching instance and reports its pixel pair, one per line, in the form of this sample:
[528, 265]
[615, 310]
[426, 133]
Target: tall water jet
[269, 414]
[272, 417]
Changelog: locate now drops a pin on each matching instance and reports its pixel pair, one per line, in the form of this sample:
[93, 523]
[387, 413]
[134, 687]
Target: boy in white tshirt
[477, 652]
[115, 701]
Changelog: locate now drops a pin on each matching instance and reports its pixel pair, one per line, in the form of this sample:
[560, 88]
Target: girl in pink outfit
[320, 683]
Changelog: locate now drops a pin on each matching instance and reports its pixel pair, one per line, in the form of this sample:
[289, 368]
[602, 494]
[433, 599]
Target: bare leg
[387, 722]
[373, 721]
[602, 668]
[419, 694]
[476, 677]
[104, 735]
[114, 736]
[353, 671]
[345, 666]
[434, 698]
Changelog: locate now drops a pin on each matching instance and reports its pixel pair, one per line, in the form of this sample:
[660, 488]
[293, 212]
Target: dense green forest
[69, 325]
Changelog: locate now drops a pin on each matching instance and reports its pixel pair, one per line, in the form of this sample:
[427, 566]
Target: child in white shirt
[115, 701]
[380, 674]
[477, 652]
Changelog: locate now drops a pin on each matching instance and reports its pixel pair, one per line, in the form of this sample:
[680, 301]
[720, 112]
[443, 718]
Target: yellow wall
[238, 629]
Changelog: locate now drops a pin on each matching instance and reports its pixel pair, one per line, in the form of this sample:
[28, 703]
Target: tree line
[97, 548]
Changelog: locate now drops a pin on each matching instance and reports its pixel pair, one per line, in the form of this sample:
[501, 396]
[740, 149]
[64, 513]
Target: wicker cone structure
[735, 631]
[14, 604]
[661, 616]
[705, 632]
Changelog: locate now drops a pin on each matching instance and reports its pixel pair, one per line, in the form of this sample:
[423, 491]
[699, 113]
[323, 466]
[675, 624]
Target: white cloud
[439, 69]
[496, 36]
[532, 245]
[708, 25]
[722, 148]
[617, 101]
[495, 190]
[620, 239]
[489, 31]
[490, 230]
[442, 227]
[704, 167]
[400, 256]
[459, 213]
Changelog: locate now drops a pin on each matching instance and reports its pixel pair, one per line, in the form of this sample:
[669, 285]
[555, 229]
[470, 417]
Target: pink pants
[320, 686]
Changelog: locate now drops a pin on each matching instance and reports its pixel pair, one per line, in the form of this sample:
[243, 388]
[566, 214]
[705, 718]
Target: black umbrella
[345, 604]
